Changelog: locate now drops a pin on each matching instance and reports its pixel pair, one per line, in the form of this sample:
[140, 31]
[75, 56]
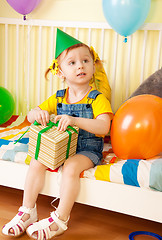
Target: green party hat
[64, 41]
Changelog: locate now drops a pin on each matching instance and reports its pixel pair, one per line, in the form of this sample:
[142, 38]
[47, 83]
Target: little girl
[78, 105]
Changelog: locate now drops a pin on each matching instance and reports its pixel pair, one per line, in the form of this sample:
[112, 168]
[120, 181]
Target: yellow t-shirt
[100, 105]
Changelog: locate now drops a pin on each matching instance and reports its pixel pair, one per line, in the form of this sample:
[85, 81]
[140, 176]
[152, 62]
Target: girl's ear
[60, 74]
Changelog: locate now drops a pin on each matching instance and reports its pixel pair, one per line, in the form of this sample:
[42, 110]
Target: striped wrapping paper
[53, 145]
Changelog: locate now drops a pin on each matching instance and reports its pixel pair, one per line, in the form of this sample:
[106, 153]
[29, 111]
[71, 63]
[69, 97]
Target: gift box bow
[49, 126]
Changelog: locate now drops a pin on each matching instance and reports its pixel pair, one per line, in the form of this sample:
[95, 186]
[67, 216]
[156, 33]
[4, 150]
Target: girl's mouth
[81, 74]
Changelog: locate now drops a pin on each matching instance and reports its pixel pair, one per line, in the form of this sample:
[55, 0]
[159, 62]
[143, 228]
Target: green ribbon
[50, 125]
[22, 136]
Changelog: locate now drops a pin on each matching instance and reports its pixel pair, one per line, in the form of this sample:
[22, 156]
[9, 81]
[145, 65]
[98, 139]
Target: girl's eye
[71, 63]
[85, 61]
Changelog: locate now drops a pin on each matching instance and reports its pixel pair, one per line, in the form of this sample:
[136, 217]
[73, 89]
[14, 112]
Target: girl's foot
[47, 228]
[20, 222]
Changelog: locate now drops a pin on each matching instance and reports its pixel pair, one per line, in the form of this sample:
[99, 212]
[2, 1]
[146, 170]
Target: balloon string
[125, 40]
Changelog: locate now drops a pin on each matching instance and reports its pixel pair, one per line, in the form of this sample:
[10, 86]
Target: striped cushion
[135, 172]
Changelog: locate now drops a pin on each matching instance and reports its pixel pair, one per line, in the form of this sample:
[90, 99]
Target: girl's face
[77, 66]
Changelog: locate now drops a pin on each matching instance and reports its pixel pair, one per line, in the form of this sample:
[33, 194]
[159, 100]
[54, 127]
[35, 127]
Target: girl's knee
[36, 165]
[70, 169]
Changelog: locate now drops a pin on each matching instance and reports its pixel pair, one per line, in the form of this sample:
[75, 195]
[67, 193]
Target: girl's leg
[70, 184]
[33, 184]
[56, 224]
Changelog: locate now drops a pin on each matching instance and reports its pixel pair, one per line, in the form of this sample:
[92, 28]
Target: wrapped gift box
[50, 146]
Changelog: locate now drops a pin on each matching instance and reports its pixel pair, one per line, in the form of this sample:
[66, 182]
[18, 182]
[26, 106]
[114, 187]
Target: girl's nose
[80, 65]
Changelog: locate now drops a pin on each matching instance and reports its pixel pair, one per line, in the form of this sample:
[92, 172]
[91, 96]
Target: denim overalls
[88, 144]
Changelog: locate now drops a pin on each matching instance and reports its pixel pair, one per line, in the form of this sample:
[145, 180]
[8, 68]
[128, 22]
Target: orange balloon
[136, 131]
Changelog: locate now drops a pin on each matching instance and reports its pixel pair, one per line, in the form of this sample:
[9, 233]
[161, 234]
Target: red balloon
[136, 131]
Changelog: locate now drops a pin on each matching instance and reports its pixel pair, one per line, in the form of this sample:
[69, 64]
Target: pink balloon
[23, 6]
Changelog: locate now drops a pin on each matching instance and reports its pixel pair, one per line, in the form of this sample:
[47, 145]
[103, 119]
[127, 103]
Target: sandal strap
[47, 233]
[41, 235]
[21, 225]
[58, 221]
[26, 210]
[16, 230]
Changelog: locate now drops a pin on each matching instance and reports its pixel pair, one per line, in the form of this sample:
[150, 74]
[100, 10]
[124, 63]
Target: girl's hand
[41, 116]
[64, 121]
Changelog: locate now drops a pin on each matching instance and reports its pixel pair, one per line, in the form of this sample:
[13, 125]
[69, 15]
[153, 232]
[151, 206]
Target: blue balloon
[126, 16]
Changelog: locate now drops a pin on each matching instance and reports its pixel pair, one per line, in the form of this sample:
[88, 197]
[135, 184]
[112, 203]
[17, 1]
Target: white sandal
[41, 230]
[17, 224]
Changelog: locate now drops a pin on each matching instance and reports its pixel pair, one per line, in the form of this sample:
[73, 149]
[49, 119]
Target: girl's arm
[41, 116]
[98, 126]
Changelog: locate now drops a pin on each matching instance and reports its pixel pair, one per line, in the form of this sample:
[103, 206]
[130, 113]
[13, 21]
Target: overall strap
[60, 93]
[93, 94]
